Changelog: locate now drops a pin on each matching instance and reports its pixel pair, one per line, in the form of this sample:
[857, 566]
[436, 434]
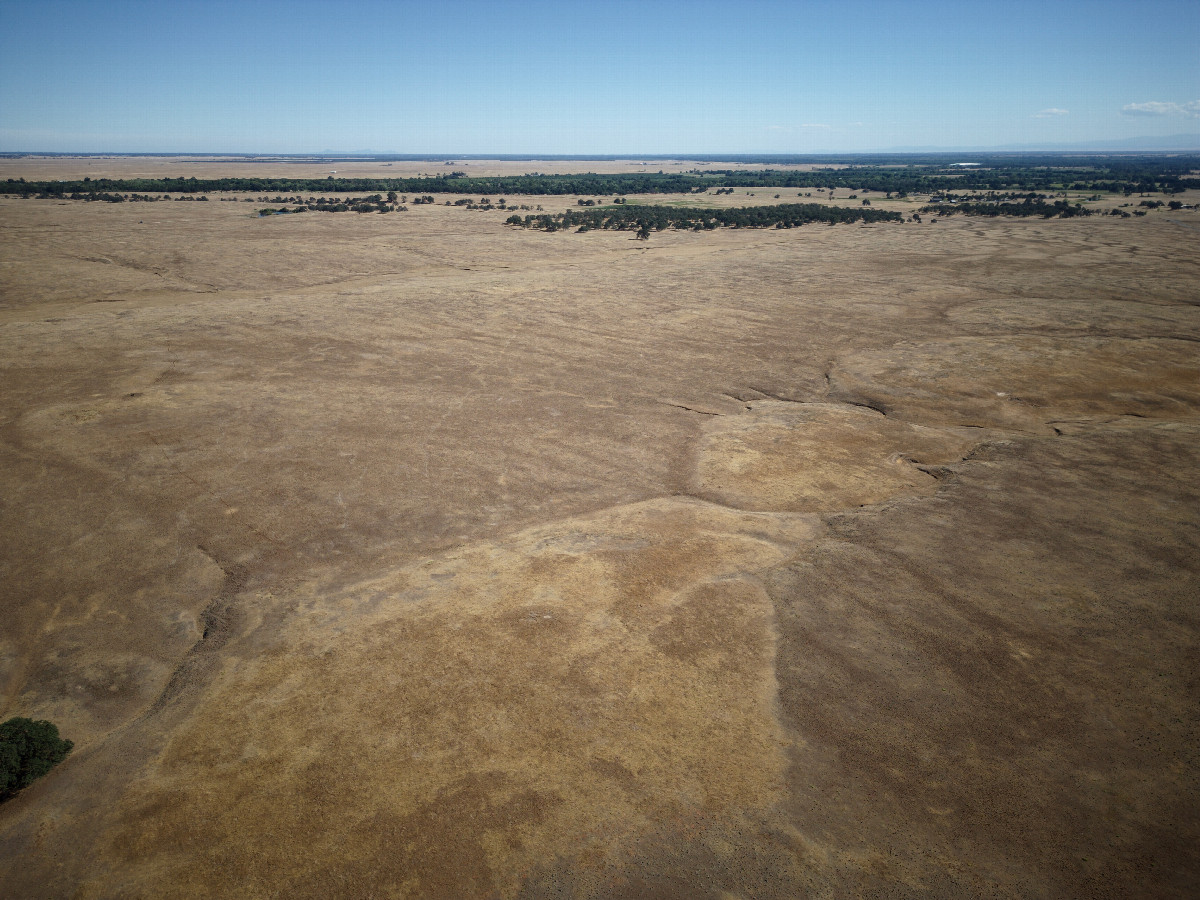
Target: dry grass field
[35, 168]
[414, 555]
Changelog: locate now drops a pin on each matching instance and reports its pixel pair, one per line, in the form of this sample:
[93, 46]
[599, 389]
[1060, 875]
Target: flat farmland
[119, 166]
[418, 555]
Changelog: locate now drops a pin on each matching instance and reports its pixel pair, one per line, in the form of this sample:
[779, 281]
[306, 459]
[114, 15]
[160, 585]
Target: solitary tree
[28, 750]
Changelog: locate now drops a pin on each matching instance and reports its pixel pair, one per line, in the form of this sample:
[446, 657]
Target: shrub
[28, 750]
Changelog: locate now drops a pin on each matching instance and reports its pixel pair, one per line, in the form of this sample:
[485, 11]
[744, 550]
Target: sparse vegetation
[377, 421]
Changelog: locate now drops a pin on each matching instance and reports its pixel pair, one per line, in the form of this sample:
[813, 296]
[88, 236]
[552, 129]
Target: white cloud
[1051, 113]
[813, 125]
[1191, 109]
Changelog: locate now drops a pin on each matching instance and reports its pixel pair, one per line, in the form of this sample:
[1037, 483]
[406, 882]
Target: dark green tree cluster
[104, 196]
[485, 203]
[94, 196]
[990, 196]
[1144, 173]
[28, 750]
[659, 218]
[373, 203]
[1060, 209]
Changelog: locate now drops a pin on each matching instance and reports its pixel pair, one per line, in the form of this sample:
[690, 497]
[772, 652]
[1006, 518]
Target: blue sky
[592, 77]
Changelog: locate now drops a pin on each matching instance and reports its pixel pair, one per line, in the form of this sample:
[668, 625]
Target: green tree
[28, 750]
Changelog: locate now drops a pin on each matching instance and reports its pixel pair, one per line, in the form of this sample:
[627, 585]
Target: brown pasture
[35, 167]
[414, 555]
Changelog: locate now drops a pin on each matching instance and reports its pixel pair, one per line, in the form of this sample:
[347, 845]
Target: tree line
[373, 203]
[1060, 209]
[644, 219]
[1140, 174]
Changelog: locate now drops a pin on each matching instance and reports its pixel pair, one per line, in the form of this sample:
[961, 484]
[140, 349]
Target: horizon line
[351, 155]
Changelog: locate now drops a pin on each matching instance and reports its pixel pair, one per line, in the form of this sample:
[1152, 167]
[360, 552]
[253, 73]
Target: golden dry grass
[411, 555]
[67, 167]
